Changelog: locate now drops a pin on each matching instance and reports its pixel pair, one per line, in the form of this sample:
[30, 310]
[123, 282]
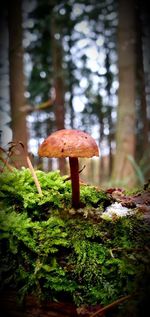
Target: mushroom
[72, 144]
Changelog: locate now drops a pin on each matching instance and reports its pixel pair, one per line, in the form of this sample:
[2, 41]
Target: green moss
[49, 249]
[19, 186]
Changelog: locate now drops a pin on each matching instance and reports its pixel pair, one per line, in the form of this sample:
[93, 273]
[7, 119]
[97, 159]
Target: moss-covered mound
[55, 252]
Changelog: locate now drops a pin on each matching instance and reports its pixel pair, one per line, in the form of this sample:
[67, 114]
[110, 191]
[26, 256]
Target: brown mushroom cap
[68, 143]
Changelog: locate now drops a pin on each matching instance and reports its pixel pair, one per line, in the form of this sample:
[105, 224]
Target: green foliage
[51, 252]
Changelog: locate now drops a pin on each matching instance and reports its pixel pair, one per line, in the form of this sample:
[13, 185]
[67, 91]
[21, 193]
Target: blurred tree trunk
[110, 124]
[58, 82]
[70, 83]
[142, 144]
[17, 99]
[109, 111]
[101, 133]
[123, 170]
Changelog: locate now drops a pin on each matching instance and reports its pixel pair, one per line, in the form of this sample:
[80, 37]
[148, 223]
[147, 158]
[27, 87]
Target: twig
[117, 302]
[69, 177]
[34, 176]
[32, 170]
[2, 150]
[5, 161]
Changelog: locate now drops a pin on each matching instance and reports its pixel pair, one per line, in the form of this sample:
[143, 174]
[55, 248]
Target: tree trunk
[123, 171]
[17, 99]
[70, 81]
[143, 143]
[110, 141]
[109, 111]
[101, 136]
[58, 83]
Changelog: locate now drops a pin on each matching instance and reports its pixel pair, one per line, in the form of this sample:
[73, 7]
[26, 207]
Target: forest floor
[139, 200]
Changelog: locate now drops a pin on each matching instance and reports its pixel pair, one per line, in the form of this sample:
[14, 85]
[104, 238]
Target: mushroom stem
[74, 171]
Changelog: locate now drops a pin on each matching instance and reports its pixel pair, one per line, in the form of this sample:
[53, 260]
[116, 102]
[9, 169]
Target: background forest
[81, 65]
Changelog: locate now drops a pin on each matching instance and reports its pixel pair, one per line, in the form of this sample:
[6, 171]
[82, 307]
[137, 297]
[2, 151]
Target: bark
[125, 131]
[16, 73]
